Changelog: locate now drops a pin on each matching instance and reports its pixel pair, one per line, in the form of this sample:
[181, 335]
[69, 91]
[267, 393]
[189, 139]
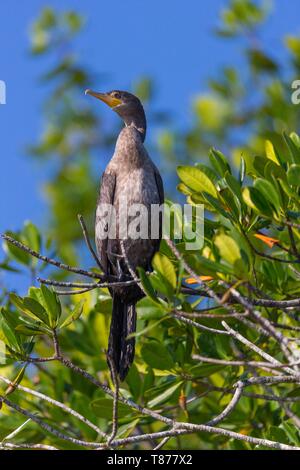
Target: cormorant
[130, 176]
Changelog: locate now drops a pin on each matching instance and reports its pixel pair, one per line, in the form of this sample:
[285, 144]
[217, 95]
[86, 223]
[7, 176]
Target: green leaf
[148, 380]
[270, 152]
[30, 330]
[291, 432]
[268, 191]
[126, 429]
[219, 162]
[294, 393]
[196, 180]
[208, 171]
[254, 199]
[148, 310]
[16, 253]
[134, 381]
[228, 248]
[146, 329]
[74, 20]
[293, 148]
[32, 236]
[6, 267]
[8, 335]
[103, 408]
[165, 267]
[19, 303]
[184, 189]
[147, 285]
[47, 19]
[260, 62]
[52, 305]
[166, 395]
[289, 191]
[217, 206]
[293, 175]
[37, 309]
[234, 186]
[278, 434]
[74, 315]
[49, 300]
[206, 370]
[210, 267]
[157, 356]
[16, 381]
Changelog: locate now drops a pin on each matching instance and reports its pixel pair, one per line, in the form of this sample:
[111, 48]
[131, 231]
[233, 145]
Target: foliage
[188, 361]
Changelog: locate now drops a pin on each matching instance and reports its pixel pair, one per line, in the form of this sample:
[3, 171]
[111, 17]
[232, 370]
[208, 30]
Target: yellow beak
[109, 100]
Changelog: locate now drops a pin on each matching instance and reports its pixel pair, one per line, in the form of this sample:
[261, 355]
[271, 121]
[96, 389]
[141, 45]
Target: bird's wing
[106, 196]
[160, 186]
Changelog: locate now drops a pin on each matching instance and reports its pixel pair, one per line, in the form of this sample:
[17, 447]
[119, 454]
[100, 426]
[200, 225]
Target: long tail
[123, 323]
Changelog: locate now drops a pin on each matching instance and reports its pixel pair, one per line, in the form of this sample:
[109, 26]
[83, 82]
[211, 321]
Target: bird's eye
[116, 95]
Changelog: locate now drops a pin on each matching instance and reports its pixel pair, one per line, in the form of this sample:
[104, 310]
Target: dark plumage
[130, 174]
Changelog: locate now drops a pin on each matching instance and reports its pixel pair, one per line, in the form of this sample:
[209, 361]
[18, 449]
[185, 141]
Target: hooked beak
[109, 100]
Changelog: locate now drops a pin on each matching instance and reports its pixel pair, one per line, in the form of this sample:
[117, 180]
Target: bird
[130, 176]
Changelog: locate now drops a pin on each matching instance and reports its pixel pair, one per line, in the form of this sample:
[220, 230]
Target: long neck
[137, 120]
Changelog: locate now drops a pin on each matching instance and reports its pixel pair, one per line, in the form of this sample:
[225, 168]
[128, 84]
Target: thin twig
[130, 268]
[55, 403]
[73, 292]
[162, 443]
[250, 345]
[212, 360]
[46, 426]
[269, 257]
[10, 445]
[88, 285]
[230, 407]
[197, 325]
[265, 323]
[215, 316]
[291, 224]
[266, 380]
[88, 242]
[48, 260]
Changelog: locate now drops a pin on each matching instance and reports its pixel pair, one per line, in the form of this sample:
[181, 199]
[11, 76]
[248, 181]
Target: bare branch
[265, 380]
[88, 285]
[230, 407]
[203, 314]
[197, 325]
[46, 426]
[265, 323]
[9, 445]
[252, 346]
[130, 403]
[162, 443]
[203, 428]
[213, 360]
[64, 407]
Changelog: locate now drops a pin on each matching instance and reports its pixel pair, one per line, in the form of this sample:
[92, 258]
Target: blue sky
[169, 40]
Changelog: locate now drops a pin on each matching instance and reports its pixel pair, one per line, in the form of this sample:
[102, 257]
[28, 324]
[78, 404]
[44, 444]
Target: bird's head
[126, 105]
[121, 102]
